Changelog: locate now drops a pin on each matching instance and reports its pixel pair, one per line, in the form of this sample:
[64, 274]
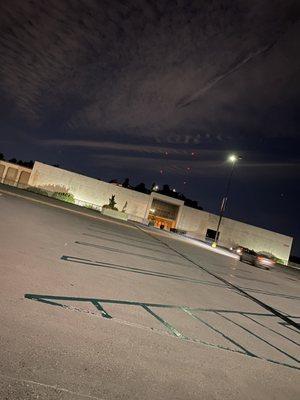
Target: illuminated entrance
[163, 214]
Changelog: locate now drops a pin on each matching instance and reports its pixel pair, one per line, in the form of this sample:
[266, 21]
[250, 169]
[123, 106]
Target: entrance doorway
[163, 214]
[211, 235]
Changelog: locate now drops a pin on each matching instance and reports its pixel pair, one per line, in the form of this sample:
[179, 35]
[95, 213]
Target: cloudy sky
[160, 91]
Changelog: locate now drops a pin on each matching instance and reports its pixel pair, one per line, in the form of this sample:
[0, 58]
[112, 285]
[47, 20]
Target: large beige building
[158, 209]
[13, 174]
[155, 208]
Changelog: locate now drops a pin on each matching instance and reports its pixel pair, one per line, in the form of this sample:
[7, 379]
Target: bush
[38, 190]
[67, 197]
[91, 207]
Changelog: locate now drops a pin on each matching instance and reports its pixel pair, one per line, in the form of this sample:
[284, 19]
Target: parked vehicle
[257, 259]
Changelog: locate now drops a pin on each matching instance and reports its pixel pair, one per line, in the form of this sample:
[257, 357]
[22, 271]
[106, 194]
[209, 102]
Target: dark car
[258, 259]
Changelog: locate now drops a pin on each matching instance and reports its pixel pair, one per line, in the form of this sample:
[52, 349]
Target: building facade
[157, 210]
[13, 174]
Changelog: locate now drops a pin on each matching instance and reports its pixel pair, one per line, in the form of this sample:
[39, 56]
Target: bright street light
[233, 159]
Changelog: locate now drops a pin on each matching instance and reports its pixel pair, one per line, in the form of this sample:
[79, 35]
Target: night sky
[117, 89]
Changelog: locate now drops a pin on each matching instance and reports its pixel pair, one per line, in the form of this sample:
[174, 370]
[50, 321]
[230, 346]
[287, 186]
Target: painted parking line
[142, 271]
[184, 278]
[55, 388]
[171, 330]
[232, 286]
[120, 251]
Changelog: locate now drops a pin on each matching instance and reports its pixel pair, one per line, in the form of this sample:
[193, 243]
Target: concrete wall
[235, 232]
[88, 190]
[232, 233]
[195, 222]
[14, 175]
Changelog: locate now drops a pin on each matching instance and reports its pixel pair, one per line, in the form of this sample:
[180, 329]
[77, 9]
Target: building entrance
[163, 214]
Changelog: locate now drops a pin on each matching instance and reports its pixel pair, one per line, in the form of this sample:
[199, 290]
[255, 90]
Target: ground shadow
[142, 271]
[131, 244]
[136, 270]
[119, 251]
[125, 236]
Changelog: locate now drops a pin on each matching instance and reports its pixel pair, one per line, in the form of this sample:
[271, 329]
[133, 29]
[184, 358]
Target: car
[260, 260]
[237, 250]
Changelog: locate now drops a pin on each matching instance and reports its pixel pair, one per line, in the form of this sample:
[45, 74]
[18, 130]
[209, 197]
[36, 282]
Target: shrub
[112, 204]
[91, 207]
[38, 190]
[67, 197]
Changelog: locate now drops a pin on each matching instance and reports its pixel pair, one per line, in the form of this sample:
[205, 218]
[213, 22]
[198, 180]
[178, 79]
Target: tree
[141, 188]
[124, 207]
[154, 187]
[112, 203]
[29, 164]
[125, 184]
[2, 156]
[165, 190]
[191, 203]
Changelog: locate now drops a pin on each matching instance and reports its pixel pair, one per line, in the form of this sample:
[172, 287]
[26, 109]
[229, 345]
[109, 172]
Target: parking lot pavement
[101, 309]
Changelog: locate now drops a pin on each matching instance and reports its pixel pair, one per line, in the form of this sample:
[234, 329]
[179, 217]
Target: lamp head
[232, 158]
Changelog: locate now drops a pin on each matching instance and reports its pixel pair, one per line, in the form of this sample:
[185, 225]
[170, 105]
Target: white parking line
[55, 387]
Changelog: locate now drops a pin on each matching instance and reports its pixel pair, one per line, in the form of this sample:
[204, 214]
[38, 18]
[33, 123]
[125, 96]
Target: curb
[65, 208]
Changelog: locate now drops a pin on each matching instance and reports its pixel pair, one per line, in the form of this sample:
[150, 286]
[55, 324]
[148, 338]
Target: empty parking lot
[96, 308]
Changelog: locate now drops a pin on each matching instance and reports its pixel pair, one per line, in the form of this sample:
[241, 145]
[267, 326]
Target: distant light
[193, 153]
[152, 210]
[188, 168]
[233, 158]
[184, 182]
[156, 187]
[166, 153]
[174, 190]
[161, 171]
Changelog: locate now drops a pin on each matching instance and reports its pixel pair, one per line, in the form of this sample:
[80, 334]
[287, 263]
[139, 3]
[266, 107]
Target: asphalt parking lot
[93, 308]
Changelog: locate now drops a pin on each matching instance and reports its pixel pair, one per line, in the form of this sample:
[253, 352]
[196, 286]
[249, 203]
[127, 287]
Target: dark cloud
[133, 65]
[113, 86]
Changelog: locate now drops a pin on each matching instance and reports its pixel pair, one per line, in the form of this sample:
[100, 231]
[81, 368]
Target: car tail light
[266, 261]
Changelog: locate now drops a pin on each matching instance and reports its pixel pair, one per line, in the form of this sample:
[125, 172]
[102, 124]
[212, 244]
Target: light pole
[232, 159]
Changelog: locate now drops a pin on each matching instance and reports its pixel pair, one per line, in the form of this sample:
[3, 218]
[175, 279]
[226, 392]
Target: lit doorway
[162, 214]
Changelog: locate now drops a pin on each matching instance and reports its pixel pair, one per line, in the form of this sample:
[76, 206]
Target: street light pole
[233, 159]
